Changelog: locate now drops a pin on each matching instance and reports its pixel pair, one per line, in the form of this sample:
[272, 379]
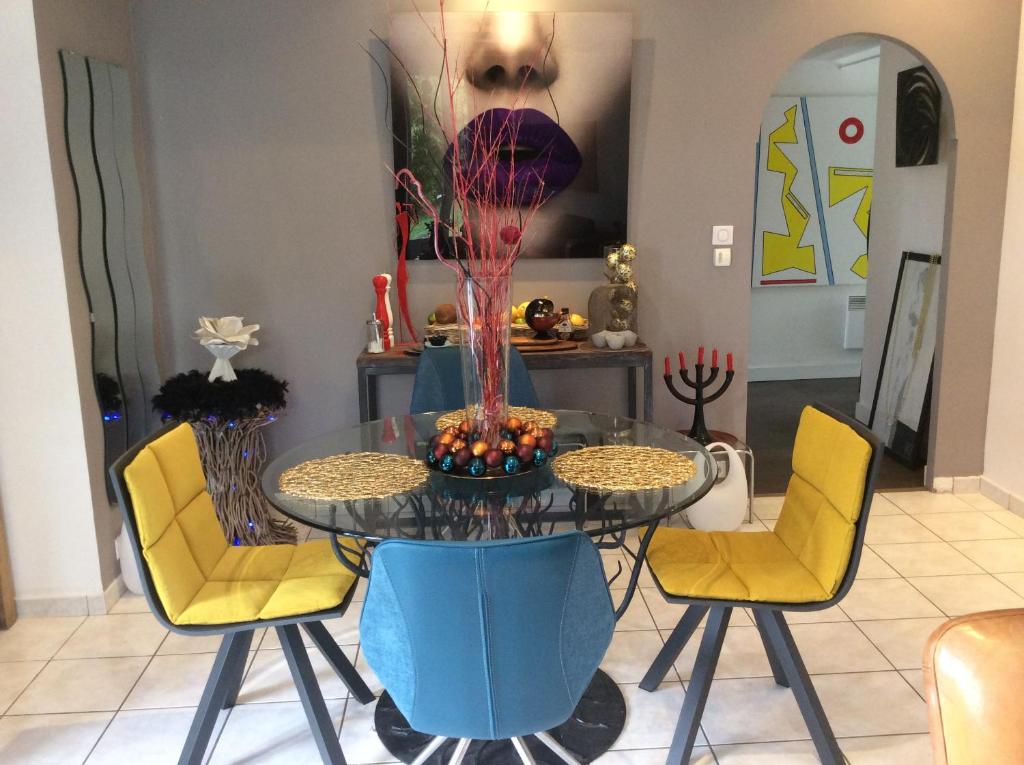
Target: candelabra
[699, 383]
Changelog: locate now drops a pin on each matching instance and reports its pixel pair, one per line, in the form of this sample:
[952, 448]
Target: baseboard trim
[979, 484]
[1012, 502]
[73, 605]
[802, 372]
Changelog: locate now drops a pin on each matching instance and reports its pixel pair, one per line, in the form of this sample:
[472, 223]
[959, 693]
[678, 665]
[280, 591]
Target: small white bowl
[599, 339]
[630, 337]
[616, 340]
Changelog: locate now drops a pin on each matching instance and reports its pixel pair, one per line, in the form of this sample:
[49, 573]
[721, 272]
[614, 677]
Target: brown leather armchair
[974, 683]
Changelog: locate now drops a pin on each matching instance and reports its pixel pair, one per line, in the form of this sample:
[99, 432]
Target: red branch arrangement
[493, 202]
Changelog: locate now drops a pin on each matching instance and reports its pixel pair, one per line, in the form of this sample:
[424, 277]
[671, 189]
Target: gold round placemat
[355, 476]
[623, 468]
[542, 418]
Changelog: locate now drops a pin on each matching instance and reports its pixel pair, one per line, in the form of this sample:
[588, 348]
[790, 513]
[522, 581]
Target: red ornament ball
[544, 442]
[463, 456]
[510, 235]
[525, 453]
[440, 450]
[493, 458]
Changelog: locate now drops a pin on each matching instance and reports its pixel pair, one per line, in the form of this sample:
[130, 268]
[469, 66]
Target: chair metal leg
[773, 658]
[700, 685]
[236, 672]
[673, 647]
[432, 746]
[545, 738]
[806, 697]
[233, 649]
[460, 751]
[524, 751]
[309, 693]
[339, 661]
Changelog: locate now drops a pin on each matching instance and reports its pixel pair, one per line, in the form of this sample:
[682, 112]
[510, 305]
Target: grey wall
[272, 201]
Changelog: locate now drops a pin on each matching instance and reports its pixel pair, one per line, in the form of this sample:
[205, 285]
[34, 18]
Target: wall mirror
[99, 137]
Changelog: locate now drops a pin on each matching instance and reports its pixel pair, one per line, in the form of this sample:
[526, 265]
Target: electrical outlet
[723, 256]
[721, 236]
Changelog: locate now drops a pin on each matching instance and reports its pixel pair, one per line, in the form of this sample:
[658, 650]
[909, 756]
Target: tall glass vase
[483, 308]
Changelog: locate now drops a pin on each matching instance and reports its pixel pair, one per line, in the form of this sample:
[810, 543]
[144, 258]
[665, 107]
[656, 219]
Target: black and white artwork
[918, 107]
[902, 392]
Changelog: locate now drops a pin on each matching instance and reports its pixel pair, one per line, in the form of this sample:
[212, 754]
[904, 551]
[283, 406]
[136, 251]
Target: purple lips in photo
[536, 159]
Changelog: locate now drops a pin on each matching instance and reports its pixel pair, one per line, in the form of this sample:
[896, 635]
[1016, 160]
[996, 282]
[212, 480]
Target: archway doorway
[848, 236]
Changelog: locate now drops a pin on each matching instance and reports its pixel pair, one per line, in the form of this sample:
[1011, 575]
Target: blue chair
[487, 640]
[438, 383]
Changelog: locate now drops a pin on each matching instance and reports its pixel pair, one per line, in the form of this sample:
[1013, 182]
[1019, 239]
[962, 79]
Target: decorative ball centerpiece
[461, 451]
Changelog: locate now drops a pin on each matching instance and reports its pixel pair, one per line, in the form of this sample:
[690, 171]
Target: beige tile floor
[119, 689]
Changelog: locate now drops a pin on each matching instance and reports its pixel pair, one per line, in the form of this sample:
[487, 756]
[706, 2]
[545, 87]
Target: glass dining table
[536, 502]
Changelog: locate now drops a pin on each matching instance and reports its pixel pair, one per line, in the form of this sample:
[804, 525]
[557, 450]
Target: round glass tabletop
[453, 508]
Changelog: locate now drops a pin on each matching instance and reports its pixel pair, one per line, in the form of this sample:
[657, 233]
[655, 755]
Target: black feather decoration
[190, 396]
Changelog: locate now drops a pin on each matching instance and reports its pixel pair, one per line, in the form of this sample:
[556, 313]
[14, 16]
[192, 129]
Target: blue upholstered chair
[438, 383]
[487, 640]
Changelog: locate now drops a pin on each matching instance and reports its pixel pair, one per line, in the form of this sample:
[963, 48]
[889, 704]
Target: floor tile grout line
[120, 706]
[43, 668]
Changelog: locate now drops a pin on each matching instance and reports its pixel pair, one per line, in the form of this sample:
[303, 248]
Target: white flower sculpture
[224, 337]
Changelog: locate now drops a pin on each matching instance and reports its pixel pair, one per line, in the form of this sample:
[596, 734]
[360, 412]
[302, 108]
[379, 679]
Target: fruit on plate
[444, 314]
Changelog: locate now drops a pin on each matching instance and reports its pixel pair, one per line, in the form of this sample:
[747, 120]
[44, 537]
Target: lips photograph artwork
[547, 93]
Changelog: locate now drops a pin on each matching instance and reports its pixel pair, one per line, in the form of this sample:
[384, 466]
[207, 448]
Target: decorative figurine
[699, 431]
[382, 286]
[224, 337]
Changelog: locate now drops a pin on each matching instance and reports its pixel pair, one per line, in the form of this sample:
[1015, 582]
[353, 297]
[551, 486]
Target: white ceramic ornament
[225, 337]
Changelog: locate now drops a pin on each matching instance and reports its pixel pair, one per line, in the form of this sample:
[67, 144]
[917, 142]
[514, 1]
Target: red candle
[700, 355]
[714, 359]
[682, 360]
[728, 362]
[668, 368]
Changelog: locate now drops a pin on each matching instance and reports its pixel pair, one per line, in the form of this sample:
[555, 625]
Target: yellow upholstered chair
[196, 583]
[807, 563]
[973, 674]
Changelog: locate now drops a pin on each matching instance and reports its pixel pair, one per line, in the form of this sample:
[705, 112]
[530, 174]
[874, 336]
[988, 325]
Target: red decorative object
[382, 285]
[403, 218]
[844, 130]
[496, 204]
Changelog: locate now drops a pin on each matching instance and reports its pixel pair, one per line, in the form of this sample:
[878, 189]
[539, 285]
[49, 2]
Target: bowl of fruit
[460, 451]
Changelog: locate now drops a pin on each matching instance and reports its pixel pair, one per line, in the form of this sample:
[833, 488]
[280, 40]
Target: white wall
[812, 345]
[908, 213]
[45, 493]
[1005, 433]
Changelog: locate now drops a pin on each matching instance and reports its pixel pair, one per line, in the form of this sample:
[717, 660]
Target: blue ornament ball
[508, 435]
[447, 463]
[554, 449]
[511, 464]
[477, 467]
[474, 437]
[431, 457]
[539, 457]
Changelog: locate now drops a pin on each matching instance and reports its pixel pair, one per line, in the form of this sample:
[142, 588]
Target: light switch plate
[721, 235]
[723, 256]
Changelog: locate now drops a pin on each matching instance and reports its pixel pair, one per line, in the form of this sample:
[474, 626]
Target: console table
[370, 366]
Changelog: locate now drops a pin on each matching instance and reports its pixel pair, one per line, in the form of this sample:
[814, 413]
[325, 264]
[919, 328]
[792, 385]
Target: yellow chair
[198, 584]
[807, 563]
[973, 674]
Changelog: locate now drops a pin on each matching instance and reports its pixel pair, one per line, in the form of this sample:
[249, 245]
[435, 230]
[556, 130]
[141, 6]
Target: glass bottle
[564, 328]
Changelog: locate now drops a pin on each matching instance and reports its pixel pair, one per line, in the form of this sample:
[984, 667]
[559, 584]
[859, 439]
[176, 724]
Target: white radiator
[853, 329]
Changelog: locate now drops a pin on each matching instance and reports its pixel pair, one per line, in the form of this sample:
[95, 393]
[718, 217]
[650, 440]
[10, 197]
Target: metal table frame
[370, 366]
